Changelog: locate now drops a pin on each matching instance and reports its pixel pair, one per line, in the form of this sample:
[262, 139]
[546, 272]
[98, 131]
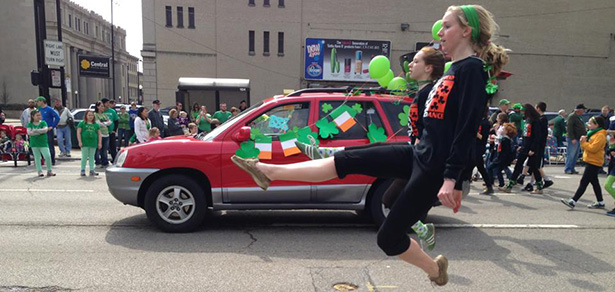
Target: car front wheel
[175, 203]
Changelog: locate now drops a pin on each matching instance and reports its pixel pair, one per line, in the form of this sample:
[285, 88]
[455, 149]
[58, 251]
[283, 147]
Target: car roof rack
[346, 89]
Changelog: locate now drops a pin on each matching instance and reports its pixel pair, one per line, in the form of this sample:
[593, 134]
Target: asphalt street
[67, 233]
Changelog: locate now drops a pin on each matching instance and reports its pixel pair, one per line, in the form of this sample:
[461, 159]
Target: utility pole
[63, 81]
[40, 25]
[112, 51]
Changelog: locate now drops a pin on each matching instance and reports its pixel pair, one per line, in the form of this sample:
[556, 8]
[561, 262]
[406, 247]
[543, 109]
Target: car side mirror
[242, 135]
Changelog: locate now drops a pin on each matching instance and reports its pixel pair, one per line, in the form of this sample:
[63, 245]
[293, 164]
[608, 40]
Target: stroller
[14, 149]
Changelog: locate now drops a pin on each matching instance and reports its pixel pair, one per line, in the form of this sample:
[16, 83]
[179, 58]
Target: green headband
[593, 119]
[470, 12]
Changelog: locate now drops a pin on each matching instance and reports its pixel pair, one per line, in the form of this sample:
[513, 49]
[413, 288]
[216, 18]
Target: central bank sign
[94, 66]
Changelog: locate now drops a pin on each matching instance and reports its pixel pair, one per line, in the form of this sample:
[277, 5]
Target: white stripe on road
[45, 191]
[510, 226]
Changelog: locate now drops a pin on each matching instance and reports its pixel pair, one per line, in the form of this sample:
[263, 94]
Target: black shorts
[379, 160]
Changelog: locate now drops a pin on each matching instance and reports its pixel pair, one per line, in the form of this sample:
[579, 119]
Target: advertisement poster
[342, 60]
[94, 66]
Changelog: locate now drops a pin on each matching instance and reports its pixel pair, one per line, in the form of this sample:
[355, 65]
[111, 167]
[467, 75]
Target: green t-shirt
[203, 124]
[41, 139]
[103, 118]
[195, 115]
[124, 121]
[222, 116]
[89, 134]
[112, 114]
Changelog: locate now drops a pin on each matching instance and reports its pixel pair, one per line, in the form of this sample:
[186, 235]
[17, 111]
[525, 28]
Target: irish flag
[263, 143]
[343, 117]
[288, 143]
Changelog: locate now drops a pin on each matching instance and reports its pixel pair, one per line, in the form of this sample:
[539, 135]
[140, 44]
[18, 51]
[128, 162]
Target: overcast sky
[126, 14]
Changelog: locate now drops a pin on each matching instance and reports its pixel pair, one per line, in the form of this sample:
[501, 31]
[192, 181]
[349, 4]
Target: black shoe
[529, 187]
[548, 183]
[520, 179]
[601, 171]
[575, 172]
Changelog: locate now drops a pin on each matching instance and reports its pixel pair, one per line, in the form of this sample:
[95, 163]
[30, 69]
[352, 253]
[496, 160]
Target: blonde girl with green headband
[435, 166]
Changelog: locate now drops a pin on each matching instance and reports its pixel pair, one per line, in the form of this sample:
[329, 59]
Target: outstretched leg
[308, 171]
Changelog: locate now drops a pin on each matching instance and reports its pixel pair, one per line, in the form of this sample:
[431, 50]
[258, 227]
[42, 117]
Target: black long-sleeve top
[531, 136]
[452, 114]
[505, 155]
[481, 144]
[417, 108]
[544, 131]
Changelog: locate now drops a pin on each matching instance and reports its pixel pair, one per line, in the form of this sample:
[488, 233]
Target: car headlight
[119, 161]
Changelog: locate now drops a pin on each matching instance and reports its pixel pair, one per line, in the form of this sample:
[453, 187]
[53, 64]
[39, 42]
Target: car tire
[377, 209]
[175, 203]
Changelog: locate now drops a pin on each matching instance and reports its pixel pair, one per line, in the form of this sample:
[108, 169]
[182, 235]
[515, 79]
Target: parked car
[178, 179]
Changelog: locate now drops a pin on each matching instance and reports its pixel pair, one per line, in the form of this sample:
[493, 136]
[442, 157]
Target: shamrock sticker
[375, 134]
[255, 133]
[326, 107]
[403, 117]
[326, 129]
[247, 150]
[357, 107]
[305, 135]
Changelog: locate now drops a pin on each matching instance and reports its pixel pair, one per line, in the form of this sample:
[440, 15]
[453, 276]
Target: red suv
[178, 179]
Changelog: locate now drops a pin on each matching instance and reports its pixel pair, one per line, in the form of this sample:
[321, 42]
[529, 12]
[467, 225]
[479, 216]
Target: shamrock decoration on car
[357, 107]
[326, 107]
[247, 150]
[403, 117]
[255, 133]
[305, 135]
[375, 134]
[326, 129]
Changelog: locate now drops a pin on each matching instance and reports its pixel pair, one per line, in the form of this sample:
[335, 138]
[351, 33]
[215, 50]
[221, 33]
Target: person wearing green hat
[503, 109]
[516, 117]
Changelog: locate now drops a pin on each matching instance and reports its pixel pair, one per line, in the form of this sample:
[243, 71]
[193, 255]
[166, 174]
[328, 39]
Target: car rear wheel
[175, 203]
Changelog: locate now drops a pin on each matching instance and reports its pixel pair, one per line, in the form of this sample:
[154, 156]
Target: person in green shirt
[559, 127]
[112, 114]
[101, 157]
[196, 111]
[516, 117]
[222, 115]
[123, 130]
[37, 130]
[90, 139]
[204, 120]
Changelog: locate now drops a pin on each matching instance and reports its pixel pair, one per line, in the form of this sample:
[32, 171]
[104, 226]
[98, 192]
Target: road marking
[562, 176]
[45, 191]
[510, 226]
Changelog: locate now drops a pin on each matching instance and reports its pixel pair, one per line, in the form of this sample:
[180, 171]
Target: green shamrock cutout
[255, 133]
[326, 129]
[375, 134]
[305, 135]
[357, 107]
[403, 117]
[247, 150]
[326, 107]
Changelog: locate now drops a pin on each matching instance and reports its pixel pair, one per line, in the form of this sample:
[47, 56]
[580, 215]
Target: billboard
[341, 60]
[94, 66]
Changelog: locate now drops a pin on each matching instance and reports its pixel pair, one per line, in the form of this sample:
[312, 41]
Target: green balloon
[384, 81]
[398, 83]
[379, 66]
[435, 29]
[447, 66]
[406, 68]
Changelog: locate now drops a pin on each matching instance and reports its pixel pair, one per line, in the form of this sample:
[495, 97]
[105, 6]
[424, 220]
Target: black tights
[533, 163]
[590, 175]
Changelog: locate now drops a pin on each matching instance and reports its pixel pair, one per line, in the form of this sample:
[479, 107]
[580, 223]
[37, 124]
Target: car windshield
[215, 132]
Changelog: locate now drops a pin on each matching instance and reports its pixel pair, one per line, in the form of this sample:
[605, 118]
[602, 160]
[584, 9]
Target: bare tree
[4, 97]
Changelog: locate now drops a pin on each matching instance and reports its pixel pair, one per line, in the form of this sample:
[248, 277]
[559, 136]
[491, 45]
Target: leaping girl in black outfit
[452, 114]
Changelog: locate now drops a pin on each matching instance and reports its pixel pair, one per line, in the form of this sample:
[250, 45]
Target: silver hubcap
[175, 204]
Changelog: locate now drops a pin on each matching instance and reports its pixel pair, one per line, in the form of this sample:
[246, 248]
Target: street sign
[56, 78]
[54, 53]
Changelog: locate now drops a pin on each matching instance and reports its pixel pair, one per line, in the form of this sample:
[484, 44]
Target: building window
[79, 24]
[281, 3]
[70, 20]
[97, 31]
[169, 16]
[190, 17]
[280, 44]
[266, 3]
[87, 27]
[251, 43]
[251, 3]
[180, 17]
[266, 43]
